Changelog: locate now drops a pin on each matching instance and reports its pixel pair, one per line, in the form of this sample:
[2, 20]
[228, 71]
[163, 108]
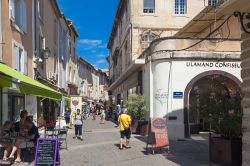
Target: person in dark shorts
[124, 121]
[67, 118]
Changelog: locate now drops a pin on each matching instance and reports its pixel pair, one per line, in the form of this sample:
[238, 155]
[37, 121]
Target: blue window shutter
[23, 16]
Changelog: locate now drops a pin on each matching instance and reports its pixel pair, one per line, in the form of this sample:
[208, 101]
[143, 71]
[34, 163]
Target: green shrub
[136, 107]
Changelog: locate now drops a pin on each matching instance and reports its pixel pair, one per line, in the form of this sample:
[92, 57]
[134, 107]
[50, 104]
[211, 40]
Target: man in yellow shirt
[124, 120]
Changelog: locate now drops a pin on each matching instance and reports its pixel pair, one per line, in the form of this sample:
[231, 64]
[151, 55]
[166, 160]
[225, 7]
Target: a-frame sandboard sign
[158, 134]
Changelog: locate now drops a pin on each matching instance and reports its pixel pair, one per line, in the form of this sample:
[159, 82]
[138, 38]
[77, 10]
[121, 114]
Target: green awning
[26, 84]
[67, 99]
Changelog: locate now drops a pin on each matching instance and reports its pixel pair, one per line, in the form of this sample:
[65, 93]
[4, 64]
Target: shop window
[16, 105]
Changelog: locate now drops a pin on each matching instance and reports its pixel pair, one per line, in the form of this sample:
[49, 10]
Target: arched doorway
[200, 94]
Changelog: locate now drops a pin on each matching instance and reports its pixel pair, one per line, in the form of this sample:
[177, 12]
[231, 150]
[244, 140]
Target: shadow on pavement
[185, 152]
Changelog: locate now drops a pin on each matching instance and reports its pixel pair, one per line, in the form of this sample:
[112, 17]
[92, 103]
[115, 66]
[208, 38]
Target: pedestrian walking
[67, 118]
[94, 112]
[124, 121]
[103, 115]
[78, 125]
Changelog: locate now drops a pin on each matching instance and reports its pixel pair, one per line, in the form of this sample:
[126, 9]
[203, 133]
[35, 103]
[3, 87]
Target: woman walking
[103, 115]
[78, 125]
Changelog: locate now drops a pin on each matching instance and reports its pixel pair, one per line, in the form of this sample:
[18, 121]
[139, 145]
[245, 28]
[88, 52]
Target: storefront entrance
[207, 96]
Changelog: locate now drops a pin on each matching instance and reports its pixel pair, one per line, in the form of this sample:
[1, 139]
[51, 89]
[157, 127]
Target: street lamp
[45, 53]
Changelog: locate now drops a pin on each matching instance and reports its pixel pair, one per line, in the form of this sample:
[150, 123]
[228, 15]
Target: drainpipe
[34, 35]
[131, 40]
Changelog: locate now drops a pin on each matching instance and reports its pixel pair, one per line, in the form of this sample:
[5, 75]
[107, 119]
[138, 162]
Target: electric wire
[201, 40]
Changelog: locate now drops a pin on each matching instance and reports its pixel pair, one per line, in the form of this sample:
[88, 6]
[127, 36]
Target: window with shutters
[146, 39]
[213, 2]
[148, 6]
[180, 7]
[17, 13]
[20, 59]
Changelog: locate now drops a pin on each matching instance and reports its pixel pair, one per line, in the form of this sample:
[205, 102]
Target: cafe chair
[62, 136]
[50, 132]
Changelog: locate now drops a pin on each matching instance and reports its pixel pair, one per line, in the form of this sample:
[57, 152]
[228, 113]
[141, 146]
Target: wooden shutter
[12, 9]
[25, 64]
[16, 58]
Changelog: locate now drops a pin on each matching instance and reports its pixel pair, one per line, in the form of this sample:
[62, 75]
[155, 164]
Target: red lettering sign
[159, 128]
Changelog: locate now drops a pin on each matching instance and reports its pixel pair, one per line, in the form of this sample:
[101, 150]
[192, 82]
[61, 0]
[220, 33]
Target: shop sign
[214, 64]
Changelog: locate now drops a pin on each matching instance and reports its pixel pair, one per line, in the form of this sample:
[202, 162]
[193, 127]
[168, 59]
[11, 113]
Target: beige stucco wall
[10, 34]
[47, 28]
[135, 23]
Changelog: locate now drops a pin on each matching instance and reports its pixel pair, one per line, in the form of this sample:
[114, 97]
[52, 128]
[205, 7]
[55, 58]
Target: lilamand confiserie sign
[213, 64]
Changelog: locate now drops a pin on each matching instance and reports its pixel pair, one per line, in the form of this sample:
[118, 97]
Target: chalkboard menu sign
[47, 152]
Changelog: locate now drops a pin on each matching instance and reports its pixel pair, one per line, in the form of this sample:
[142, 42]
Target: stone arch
[190, 86]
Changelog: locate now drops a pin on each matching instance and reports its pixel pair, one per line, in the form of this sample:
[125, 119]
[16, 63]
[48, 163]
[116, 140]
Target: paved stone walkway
[100, 148]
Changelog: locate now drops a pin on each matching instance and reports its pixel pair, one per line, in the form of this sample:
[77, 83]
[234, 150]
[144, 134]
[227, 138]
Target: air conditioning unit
[52, 76]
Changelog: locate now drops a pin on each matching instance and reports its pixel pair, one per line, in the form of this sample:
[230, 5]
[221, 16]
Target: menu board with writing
[47, 152]
[158, 133]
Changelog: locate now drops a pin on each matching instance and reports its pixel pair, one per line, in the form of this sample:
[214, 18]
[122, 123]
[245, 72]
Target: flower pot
[134, 127]
[225, 152]
[143, 127]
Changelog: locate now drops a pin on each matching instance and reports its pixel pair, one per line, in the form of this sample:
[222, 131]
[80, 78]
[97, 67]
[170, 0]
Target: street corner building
[167, 51]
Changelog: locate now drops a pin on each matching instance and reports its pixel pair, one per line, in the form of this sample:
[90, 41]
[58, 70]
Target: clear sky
[93, 20]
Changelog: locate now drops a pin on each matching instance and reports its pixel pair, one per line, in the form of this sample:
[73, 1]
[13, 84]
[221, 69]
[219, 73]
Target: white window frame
[146, 39]
[18, 14]
[213, 2]
[180, 7]
[149, 10]
[20, 60]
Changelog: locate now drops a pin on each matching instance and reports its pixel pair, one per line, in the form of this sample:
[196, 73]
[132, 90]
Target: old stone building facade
[137, 23]
[92, 82]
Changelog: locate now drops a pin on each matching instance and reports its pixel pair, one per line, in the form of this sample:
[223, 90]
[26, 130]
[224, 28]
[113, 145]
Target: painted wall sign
[177, 95]
[214, 64]
[161, 95]
[47, 152]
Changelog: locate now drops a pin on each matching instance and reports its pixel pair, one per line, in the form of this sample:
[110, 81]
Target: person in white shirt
[78, 125]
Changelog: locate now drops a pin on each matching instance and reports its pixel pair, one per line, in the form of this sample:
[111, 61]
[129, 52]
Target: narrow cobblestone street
[100, 148]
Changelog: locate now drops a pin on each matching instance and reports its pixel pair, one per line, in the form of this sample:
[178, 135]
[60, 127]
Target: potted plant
[222, 113]
[226, 148]
[137, 110]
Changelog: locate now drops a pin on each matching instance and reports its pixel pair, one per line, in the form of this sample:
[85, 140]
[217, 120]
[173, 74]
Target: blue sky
[93, 20]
